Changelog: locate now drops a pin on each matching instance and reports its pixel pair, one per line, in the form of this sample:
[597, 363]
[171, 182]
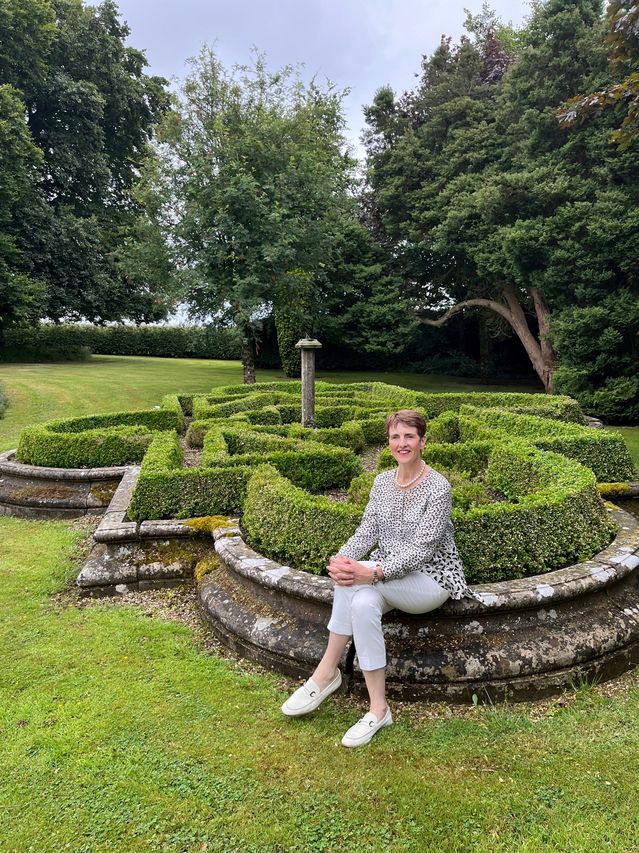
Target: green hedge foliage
[354, 435]
[69, 342]
[307, 464]
[602, 451]
[560, 408]
[116, 438]
[553, 514]
[166, 490]
[289, 525]
[91, 448]
[518, 507]
[561, 521]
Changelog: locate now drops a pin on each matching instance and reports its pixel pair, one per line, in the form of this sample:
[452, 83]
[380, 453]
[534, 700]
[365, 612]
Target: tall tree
[259, 183]
[91, 110]
[622, 21]
[361, 302]
[21, 297]
[491, 203]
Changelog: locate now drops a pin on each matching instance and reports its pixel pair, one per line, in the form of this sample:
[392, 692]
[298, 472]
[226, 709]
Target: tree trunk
[248, 360]
[539, 352]
[547, 351]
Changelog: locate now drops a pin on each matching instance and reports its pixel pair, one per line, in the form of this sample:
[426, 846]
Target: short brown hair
[409, 417]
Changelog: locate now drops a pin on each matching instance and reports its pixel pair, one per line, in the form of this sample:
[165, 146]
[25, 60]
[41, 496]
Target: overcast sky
[357, 44]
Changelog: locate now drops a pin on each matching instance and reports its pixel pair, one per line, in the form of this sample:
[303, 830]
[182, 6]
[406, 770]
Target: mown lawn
[120, 732]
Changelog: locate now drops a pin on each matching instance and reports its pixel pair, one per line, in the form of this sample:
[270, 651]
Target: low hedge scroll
[525, 497]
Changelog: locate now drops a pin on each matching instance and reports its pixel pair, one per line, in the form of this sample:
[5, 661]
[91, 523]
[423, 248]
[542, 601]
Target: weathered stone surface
[8, 465]
[109, 565]
[28, 491]
[46, 513]
[150, 562]
[170, 527]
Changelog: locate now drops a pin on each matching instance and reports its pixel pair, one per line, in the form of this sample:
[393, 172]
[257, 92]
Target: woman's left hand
[346, 572]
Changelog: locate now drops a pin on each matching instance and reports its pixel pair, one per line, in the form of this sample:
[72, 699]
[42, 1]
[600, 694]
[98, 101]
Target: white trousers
[358, 609]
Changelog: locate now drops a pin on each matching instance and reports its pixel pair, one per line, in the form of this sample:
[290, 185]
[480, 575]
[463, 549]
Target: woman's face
[405, 443]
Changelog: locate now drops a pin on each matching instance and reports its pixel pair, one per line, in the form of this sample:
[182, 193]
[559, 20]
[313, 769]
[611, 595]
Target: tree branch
[469, 303]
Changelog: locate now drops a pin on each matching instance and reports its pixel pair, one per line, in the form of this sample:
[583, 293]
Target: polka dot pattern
[410, 530]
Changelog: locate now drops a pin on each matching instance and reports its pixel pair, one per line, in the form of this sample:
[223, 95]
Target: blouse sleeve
[366, 535]
[432, 527]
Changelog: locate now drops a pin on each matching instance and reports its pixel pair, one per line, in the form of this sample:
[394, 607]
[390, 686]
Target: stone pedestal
[308, 347]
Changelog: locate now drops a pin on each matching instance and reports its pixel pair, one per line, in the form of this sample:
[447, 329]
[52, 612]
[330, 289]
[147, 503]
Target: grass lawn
[120, 732]
[631, 436]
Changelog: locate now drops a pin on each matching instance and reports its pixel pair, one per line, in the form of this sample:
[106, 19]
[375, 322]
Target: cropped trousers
[358, 609]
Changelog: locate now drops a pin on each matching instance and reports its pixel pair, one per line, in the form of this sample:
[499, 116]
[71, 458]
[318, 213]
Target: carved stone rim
[607, 567]
[19, 469]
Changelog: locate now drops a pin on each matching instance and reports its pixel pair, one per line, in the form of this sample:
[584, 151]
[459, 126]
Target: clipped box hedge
[309, 465]
[116, 438]
[92, 448]
[289, 525]
[518, 510]
[602, 451]
[217, 486]
[166, 490]
[553, 516]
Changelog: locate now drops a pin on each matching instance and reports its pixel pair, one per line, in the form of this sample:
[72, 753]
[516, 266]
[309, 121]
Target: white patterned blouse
[412, 530]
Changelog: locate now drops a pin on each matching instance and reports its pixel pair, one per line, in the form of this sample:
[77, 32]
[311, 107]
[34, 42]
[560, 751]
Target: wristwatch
[376, 577]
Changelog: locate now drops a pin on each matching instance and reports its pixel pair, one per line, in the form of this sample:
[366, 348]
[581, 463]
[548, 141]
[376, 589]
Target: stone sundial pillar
[308, 347]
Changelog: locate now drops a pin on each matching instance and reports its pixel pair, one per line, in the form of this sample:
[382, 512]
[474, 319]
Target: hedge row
[604, 452]
[92, 441]
[354, 435]
[559, 408]
[92, 448]
[553, 515]
[72, 341]
[432, 404]
[287, 524]
[165, 489]
[560, 521]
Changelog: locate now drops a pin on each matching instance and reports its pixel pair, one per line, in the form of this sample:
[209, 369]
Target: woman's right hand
[345, 572]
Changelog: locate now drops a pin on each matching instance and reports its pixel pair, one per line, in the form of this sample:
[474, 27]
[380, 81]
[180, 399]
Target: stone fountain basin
[526, 638]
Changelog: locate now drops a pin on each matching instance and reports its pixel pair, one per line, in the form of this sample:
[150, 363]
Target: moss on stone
[171, 551]
[209, 523]
[614, 490]
[205, 567]
[40, 492]
[104, 492]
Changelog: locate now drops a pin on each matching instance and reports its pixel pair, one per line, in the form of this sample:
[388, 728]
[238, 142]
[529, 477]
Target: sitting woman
[415, 567]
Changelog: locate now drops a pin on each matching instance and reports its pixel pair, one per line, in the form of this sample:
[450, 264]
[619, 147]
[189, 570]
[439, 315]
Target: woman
[415, 568]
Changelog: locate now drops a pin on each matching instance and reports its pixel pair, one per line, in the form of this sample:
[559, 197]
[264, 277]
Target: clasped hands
[346, 572]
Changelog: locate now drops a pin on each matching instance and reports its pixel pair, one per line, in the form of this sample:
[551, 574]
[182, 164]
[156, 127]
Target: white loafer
[309, 696]
[362, 732]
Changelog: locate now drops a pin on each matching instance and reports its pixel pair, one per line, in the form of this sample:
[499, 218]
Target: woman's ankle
[378, 710]
[323, 675]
